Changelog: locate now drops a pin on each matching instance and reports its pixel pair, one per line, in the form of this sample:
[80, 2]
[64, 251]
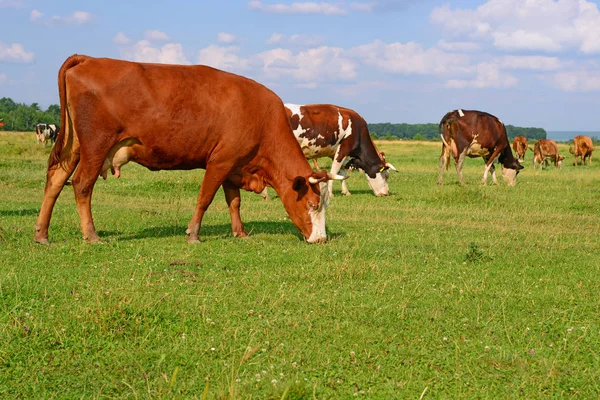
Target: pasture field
[433, 292]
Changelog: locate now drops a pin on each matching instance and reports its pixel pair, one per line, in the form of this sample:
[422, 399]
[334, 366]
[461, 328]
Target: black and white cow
[45, 133]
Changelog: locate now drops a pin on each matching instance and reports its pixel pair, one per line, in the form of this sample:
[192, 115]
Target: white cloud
[224, 37]
[487, 75]
[363, 7]
[533, 25]
[35, 15]
[576, 81]
[410, 58]
[121, 39]
[298, 8]
[157, 35]
[76, 18]
[460, 47]
[144, 51]
[15, 53]
[320, 64]
[222, 57]
[10, 4]
[537, 63]
[298, 40]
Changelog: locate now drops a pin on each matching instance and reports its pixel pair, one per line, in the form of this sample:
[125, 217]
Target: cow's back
[181, 114]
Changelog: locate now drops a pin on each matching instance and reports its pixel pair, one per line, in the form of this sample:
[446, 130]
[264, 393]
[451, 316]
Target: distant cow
[520, 147]
[325, 130]
[468, 133]
[545, 150]
[233, 127]
[583, 148]
[45, 133]
[2, 123]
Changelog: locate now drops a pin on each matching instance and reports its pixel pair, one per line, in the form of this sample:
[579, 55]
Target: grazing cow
[45, 133]
[2, 123]
[325, 130]
[233, 127]
[583, 148]
[520, 147]
[467, 133]
[545, 150]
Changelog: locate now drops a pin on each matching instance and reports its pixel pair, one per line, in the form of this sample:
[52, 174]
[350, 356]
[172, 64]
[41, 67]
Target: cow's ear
[299, 183]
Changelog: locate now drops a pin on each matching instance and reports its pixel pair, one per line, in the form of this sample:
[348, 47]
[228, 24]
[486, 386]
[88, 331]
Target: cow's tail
[441, 128]
[72, 61]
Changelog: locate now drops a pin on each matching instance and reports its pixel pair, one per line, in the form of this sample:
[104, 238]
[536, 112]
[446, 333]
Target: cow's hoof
[41, 240]
[242, 234]
[93, 240]
[193, 239]
[347, 194]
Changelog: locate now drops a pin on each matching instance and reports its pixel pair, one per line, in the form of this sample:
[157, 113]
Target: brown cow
[201, 117]
[468, 133]
[545, 150]
[2, 123]
[520, 147]
[583, 148]
[326, 130]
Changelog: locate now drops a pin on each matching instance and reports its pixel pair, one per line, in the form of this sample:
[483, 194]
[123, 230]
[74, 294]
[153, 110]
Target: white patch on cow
[461, 113]
[317, 217]
[379, 184]
[475, 150]
[343, 132]
[510, 176]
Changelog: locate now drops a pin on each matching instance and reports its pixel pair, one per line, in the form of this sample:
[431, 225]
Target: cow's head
[377, 174]
[559, 161]
[311, 200]
[510, 170]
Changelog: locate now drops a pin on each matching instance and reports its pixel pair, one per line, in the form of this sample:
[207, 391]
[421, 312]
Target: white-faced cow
[233, 127]
[583, 148]
[45, 133]
[325, 130]
[468, 133]
[545, 150]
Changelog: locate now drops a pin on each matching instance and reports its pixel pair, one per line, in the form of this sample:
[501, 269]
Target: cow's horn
[337, 177]
[390, 166]
[314, 180]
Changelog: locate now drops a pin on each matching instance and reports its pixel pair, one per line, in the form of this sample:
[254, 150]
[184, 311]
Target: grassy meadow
[433, 292]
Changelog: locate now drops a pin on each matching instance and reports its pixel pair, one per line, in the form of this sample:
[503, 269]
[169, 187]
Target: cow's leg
[444, 160]
[56, 178]
[83, 185]
[213, 179]
[459, 165]
[345, 190]
[232, 196]
[336, 166]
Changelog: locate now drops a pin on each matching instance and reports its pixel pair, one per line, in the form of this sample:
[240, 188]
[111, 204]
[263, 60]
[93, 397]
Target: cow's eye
[313, 206]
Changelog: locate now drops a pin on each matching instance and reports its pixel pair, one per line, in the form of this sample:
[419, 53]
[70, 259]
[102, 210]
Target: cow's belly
[475, 150]
[312, 151]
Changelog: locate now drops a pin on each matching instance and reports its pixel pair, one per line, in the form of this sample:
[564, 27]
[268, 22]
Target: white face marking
[317, 217]
[461, 113]
[510, 176]
[379, 184]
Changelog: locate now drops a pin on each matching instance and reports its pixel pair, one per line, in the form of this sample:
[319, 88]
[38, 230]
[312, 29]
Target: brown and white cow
[233, 127]
[469, 133]
[519, 145]
[545, 150]
[45, 133]
[583, 148]
[326, 130]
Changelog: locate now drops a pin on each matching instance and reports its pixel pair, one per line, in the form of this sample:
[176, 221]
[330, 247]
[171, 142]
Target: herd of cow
[241, 133]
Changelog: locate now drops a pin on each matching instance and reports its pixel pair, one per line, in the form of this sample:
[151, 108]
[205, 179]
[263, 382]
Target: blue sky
[529, 62]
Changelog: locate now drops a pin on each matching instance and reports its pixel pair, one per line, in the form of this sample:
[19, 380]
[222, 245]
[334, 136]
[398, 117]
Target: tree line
[389, 131]
[22, 117]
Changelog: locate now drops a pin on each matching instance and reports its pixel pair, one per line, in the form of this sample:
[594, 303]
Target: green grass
[440, 292]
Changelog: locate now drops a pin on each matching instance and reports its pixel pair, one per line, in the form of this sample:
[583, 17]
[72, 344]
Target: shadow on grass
[12, 213]
[222, 230]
